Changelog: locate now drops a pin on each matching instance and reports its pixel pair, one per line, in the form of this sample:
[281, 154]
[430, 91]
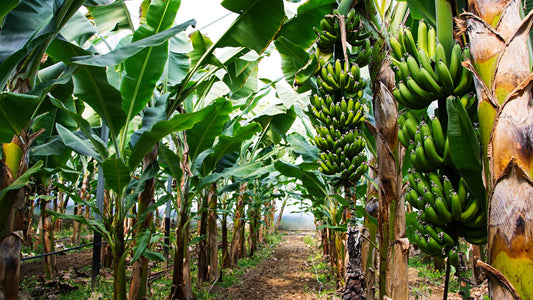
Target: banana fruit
[423, 73]
[338, 105]
[447, 208]
[329, 33]
[425, 141]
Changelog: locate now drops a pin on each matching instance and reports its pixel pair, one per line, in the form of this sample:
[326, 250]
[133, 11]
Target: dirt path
[64, 262]
[284, 275]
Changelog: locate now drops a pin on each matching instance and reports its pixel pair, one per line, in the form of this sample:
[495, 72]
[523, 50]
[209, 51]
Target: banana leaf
[91, 85]
[312, 183]
[423, 9]
[151, 115]
[16, 111]
[293, 59]
[27, 21]
[85, 128]
[27, 31]
[21, 181]
[78, 29]
[276, 126]
[116, 173]
[178, 60]
[200, 45]
[465, 147]
[163, 128]
[143, 70]
[109, 16]
[227, 144]
[299, 29]
[251, 170]
[6, 6]
[203, 134]
[170, 162]
[256, 26]
[301, 146]
[78, 142]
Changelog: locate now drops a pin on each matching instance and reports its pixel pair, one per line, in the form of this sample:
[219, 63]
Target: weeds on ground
[321, 268]
[432, 276]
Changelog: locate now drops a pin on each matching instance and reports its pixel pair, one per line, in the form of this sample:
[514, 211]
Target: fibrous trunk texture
[212, 244]
[498, 44]
[181, 275]
[278, 220]
[202, 244]
[238, 228]
[139, 275]
[391, 212]
[355, 288]
[12, 207]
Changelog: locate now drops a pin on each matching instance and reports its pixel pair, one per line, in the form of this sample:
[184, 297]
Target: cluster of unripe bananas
[426, 143]
[445, 208]
[337, 103]
[330, 32]
[424, 72]
[447, 211]
[334, 77]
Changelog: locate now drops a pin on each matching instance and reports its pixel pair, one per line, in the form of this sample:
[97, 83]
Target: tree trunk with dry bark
[238, 228]
[139, 274]
[12, 207]
[498, 37]
[212, 243]
[393, 279]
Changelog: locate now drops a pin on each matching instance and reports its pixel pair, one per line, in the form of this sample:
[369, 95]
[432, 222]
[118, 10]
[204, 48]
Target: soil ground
[285, 274]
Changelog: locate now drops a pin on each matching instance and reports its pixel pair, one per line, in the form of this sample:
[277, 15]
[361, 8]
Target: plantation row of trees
[417, 106]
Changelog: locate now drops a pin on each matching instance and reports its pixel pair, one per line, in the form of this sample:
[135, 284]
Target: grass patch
[320, 268]
[434, 277]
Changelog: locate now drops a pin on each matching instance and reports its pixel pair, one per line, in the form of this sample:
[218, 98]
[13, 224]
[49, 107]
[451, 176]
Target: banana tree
[23, 48]
[326, 205]
[498, 34]
[381, 19]
[134, 91]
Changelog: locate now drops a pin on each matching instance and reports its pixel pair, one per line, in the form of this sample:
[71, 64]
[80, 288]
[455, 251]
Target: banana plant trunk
[499, 49]
[280, 215]
[181, 281]
[12, 205]
[181, 275]
[393, 275]
[47, 235]
[225, 251]
[139, 275]
[212, 243]
[238, 228]
[202, 244]
[78, 209]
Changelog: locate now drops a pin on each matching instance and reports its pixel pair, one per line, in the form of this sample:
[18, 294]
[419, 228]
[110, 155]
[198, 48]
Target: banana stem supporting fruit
[444, 12]
[443, 115]
[446, 279]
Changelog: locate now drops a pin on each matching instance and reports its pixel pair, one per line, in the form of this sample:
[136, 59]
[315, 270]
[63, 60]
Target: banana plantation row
[397, 124]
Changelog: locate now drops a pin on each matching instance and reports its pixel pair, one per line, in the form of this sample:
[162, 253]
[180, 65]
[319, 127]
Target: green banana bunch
[329, 31]
[347, 158]
[443, 205]
[433, 240]
[343, 115]
[423, 72]
[425, 141]
[338, 137]
[337, 104]
[362, 53]
[338, 76]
